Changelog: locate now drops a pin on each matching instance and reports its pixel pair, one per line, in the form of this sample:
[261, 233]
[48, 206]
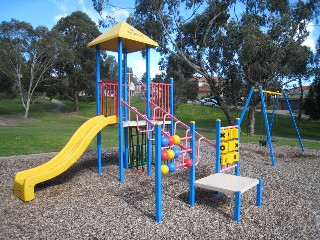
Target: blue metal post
[171, 106]
[148, 109]
[275, 102]
[294, 121]
[259, 193]
[237, 206]
[158, 176]
[267, 126]
[99, 150]
[218, 129]
[237, 169]
[192, 189]
[120, 111]
[246, 105]
[126, 110]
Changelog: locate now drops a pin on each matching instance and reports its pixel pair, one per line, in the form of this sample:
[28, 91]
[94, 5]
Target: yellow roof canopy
[132, 39]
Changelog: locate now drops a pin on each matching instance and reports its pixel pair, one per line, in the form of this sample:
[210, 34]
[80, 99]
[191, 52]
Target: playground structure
[269, 124]
[157, 125]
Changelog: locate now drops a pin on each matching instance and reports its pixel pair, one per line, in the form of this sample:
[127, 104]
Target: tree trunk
[76, 102]
[251, 120]
[26, 109]
[226, 109]
[230, 118]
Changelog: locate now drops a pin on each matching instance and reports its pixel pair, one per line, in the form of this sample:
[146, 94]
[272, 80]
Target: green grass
[47, 131]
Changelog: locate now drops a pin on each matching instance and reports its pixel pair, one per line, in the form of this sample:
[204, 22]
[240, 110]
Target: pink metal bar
[186, 126]
[229, 167]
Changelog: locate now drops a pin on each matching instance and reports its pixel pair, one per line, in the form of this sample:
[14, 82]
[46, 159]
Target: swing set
[270, 123]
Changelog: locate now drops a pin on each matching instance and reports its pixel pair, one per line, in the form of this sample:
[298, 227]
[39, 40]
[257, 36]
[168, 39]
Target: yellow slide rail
[25, 181]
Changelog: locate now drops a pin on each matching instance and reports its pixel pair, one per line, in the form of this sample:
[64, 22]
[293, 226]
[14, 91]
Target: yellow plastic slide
[25, 181]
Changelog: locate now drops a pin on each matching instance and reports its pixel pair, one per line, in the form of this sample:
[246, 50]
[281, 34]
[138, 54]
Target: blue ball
[164, 141]
[172, 167]
[176, 152]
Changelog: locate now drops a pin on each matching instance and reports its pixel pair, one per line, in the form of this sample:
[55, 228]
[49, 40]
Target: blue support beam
[148, 109]
[218, 129]
[264, 108]
[237, 206]
[99, 149]
[237, 169]
[259, 193]
[294, 121]
[171, 106]
[246, 105]
[126, 110]
[158, 176]
[120, 112]
[192, 189]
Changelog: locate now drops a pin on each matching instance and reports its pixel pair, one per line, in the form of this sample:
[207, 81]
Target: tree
[244, 47]
[185, 89]
[27, 55]
[312, 102]
[76, 66]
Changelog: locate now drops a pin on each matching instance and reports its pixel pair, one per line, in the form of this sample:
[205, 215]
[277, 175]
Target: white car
[209, 102]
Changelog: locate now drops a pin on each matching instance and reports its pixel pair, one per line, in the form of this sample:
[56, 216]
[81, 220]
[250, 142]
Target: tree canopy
[244, 43]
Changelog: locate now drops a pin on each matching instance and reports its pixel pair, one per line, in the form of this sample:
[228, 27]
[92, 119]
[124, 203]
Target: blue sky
[48, 12]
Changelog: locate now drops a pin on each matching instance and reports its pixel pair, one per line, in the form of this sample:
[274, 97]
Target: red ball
[188, 162]
[164, 155]
[171, 140]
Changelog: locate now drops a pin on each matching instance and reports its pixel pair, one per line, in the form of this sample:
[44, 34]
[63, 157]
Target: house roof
[132, 39]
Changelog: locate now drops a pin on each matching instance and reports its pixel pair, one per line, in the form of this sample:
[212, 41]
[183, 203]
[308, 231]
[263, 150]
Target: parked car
[209, 102]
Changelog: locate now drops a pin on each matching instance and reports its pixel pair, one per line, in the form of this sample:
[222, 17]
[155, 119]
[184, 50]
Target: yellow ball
[170, 154]
[176, 139]
[164, 169]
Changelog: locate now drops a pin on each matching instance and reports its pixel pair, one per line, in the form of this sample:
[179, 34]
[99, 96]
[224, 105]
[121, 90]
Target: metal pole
[149, 145]
[294, 121]
[237, 169]
[99, 151]
[158, 176]
[192, 190]
[267, 126]
[246, 105]
[120, 111]
[126, 111]
[218, 129]
[171, 106]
